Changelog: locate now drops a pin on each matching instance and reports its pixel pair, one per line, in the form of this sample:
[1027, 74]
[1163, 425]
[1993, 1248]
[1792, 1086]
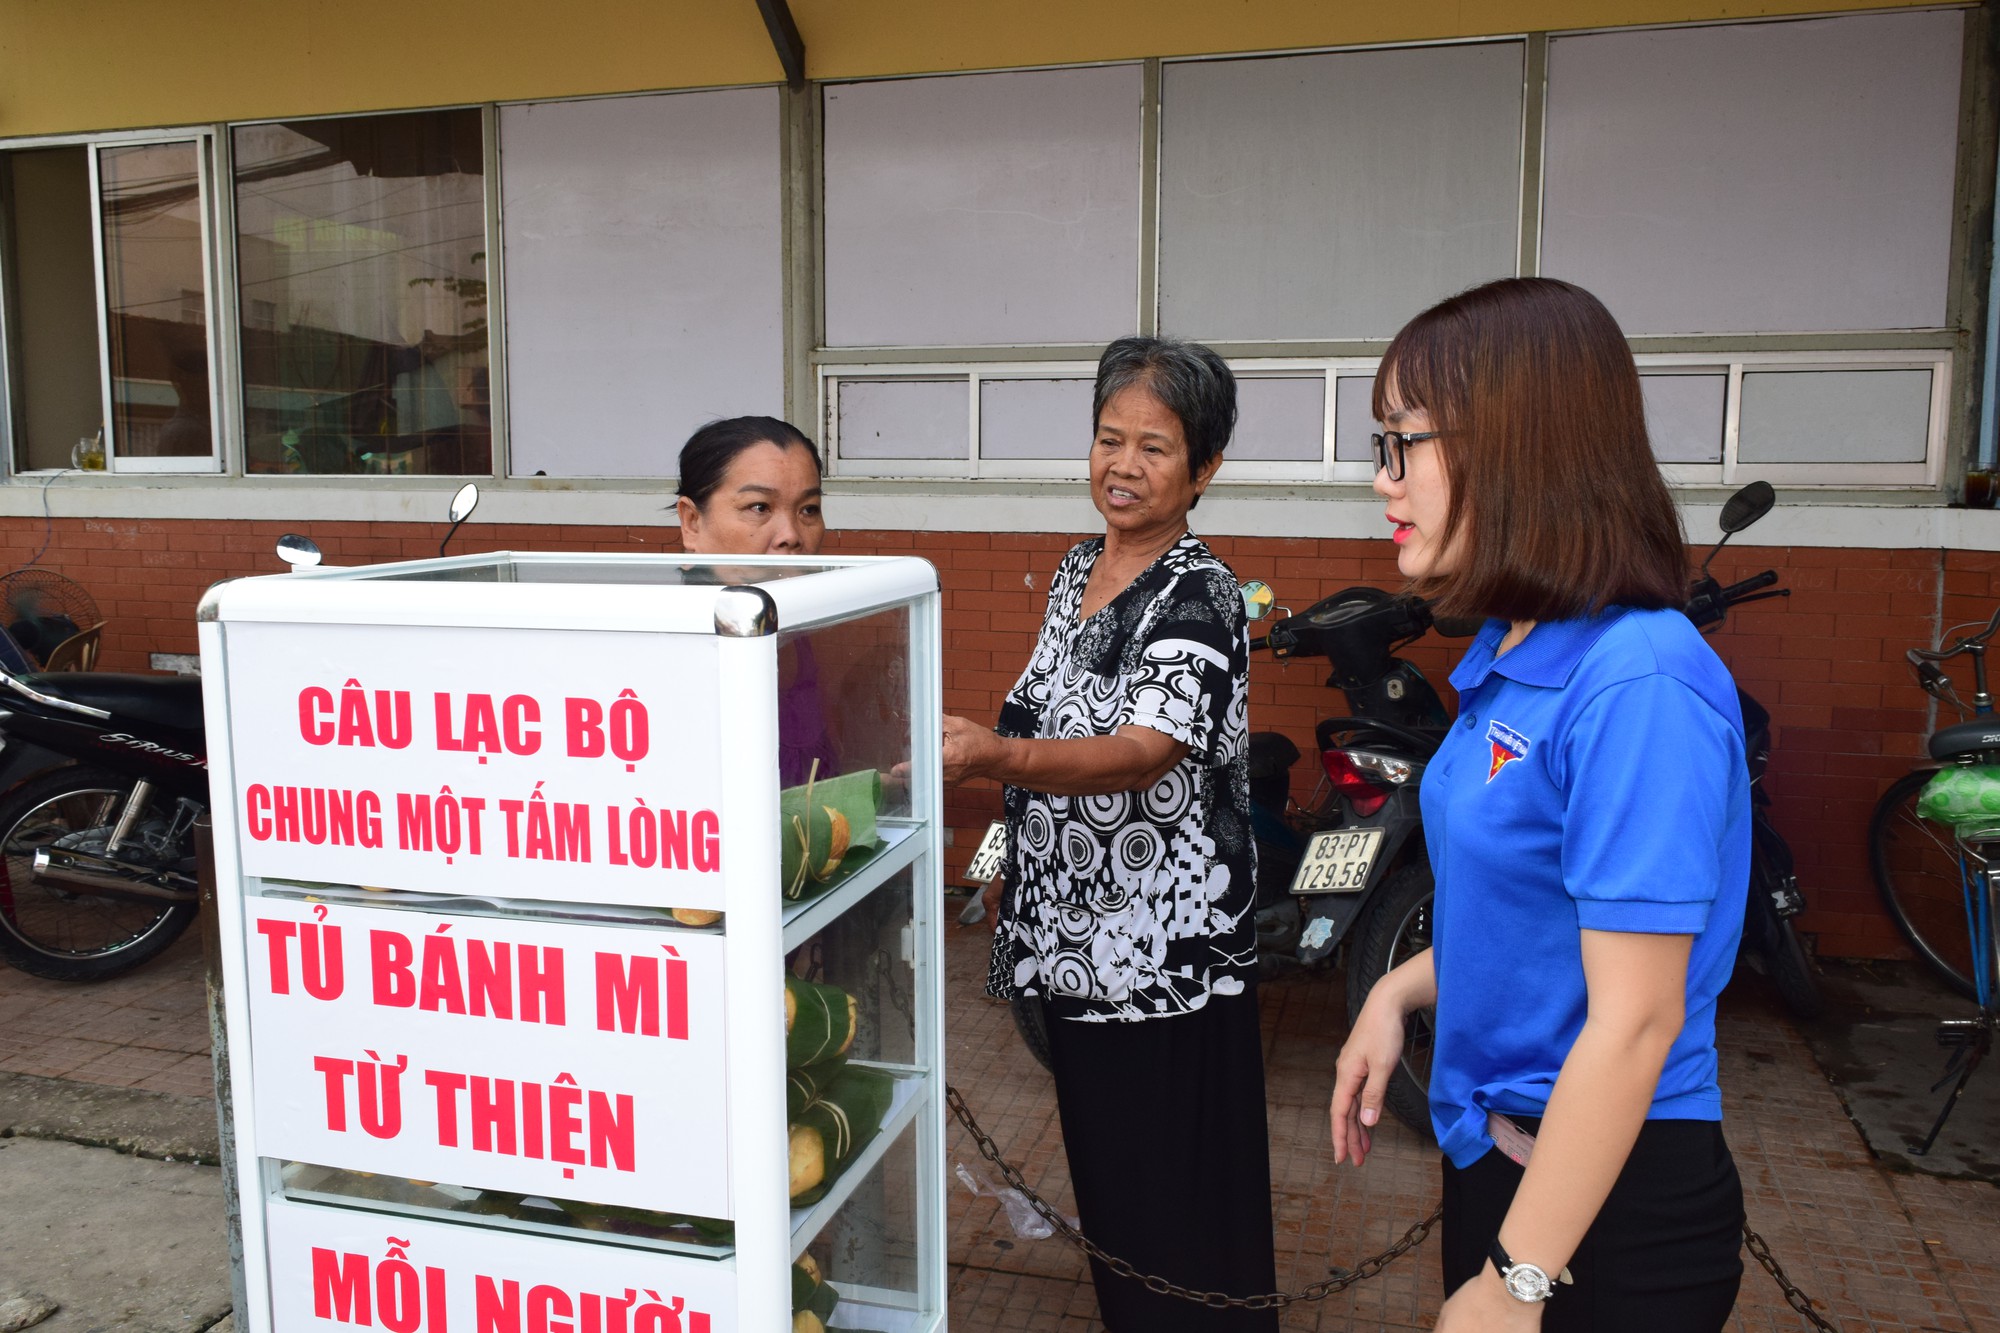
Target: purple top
[802, 733]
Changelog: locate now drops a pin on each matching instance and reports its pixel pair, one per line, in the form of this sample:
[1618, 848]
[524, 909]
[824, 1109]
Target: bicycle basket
[1959, 796]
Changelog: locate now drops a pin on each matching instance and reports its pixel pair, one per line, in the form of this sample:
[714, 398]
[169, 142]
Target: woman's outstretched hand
[969, 750]
[1361, 1076]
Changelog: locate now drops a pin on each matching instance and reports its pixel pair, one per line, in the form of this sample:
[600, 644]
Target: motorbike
[1770, 942]
[97, 855]
[1349, 868]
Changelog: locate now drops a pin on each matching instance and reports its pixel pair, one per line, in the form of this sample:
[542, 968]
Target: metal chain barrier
[1215, 1300]
[1317, 1291]
[1798, 1300]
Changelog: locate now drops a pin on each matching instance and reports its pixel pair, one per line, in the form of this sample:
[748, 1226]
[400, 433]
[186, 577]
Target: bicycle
[1934, 847]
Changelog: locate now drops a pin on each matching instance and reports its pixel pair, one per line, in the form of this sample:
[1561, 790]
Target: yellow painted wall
[71, 65]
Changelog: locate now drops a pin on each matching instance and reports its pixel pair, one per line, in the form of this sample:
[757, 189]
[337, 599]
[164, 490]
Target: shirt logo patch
[1508, 745]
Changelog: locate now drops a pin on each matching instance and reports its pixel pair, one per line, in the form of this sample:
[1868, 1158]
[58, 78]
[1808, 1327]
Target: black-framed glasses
[1391, 446]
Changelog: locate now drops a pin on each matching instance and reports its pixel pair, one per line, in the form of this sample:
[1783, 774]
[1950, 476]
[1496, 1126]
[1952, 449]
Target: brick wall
[1827, 661]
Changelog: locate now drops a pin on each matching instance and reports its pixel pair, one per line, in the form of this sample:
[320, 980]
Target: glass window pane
[1279, 419]
[904, 418]
[1038, 419]
[1335, 196]
[1834, 416]
[1684, 415]
[1354, 418]
[644, 276]
[48, 275]
[1762, 177]
[983, 209]
[361, 253]
[156, 296]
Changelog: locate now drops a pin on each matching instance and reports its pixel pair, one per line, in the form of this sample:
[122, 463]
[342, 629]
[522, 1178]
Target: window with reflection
[156, 304]
[361, 263]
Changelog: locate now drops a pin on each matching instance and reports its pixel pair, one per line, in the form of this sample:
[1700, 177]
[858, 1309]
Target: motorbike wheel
[1032, 1024]
[1792, 974]
[67, 932]
[1395, 925]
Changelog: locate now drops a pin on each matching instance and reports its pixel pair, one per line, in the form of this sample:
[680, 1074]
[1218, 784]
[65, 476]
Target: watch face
[1525, 1282]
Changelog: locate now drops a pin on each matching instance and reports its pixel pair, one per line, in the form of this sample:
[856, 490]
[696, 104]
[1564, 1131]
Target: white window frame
[1731, 471]
[975, 467]
[1329, 468]
[203, 137]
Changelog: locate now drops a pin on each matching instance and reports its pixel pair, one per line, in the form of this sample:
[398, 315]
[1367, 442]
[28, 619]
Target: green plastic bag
[1962, 795]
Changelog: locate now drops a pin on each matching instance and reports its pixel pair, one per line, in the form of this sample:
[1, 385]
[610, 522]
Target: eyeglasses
[1392, 446]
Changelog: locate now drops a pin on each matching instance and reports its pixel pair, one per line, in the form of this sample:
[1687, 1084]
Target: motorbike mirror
[1458, 627]
[462, 505]
[1258, 599]
[298, 552]
[1747, 506]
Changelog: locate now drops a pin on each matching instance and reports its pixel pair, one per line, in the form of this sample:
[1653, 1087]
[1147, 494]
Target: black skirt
[1163, 1122]
[1662, 1256]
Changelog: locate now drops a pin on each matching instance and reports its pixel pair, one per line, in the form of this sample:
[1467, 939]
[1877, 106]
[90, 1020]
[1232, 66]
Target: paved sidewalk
[1880, 1250]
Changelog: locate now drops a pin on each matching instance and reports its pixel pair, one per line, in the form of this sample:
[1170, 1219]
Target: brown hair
[1557, 506]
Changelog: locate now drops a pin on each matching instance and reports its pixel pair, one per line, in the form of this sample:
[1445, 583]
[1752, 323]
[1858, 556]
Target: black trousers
[1663, 1256]
[1163, 1123]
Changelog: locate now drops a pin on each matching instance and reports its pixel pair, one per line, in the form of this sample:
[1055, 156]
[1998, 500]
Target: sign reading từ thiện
[567, 1061]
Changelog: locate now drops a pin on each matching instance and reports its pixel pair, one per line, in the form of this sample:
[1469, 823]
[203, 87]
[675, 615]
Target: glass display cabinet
[581, 948]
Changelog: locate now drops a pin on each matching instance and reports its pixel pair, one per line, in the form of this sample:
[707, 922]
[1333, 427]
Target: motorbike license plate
[1338, 861]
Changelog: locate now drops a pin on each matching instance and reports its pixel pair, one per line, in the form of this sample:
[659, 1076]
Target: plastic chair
[76, 653]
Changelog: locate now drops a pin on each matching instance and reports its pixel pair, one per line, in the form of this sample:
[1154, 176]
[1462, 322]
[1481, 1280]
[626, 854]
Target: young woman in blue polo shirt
[1588, 822]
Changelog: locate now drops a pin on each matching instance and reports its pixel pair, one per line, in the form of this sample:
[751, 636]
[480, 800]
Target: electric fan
[39, 608]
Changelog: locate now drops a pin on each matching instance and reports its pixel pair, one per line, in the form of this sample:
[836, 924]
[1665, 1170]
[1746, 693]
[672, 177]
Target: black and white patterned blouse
[1135, 905]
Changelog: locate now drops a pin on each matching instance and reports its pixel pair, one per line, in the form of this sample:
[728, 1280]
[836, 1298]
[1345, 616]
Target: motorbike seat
[162, 701]
[1982, 733]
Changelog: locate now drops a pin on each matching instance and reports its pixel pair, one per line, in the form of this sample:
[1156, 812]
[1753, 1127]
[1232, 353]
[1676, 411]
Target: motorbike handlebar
[1738, 591]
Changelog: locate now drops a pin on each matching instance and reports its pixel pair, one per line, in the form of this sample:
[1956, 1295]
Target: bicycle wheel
[1917, 871]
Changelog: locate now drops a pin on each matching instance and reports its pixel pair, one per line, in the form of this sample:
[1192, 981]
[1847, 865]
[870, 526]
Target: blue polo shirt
[1594, 780]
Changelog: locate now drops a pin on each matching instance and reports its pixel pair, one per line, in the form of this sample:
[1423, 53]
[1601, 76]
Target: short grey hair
[1188, 379]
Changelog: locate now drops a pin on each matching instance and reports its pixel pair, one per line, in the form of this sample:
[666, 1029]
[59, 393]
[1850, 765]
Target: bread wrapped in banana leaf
[819, 1022]
[811, 1293]
[828, 830]
[833, 1126]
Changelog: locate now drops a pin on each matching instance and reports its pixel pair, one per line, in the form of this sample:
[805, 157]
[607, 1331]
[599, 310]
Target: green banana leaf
[827, 831]
[820, 1022]
[847, 1115]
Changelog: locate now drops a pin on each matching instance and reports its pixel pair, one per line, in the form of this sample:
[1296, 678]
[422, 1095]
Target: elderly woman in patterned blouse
[1130, 866]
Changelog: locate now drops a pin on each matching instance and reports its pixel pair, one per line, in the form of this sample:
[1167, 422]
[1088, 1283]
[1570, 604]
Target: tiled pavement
[147, 1029]
[1880, 1251]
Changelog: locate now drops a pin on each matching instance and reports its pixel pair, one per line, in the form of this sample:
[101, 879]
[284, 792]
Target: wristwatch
[1524, 1282]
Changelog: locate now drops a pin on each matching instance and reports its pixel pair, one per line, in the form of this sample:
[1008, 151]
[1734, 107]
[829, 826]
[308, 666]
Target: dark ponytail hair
[706, 457]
